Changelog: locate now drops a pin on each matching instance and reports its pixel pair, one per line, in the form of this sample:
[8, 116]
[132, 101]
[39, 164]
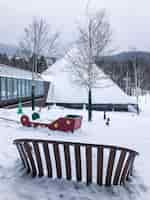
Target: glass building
[12, 88]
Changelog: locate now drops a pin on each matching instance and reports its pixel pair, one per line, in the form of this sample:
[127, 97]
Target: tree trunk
[90, 105]
[33, 96]
[34, 70]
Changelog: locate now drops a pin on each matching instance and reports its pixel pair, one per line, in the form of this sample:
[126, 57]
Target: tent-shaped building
[65, 92]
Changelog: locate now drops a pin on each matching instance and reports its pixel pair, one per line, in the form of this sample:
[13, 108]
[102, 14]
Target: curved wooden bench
[111, 165]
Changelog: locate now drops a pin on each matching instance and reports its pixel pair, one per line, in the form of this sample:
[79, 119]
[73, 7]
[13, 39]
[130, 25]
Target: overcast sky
[130, 19]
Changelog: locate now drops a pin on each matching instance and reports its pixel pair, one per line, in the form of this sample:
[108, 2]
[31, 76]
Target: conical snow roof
[64, 90]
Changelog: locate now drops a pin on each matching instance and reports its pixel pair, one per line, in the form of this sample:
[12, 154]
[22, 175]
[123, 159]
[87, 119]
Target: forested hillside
[126, 67]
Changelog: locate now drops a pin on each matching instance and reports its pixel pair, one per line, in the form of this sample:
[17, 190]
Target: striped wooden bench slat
[119, 167]
[126, 168]
[38, 159]
[110, 165]
[28, 150]
[67, 162]
[57, 160]
[130, 171]
[78, 162]
[22, 156]
[100, 155]
[21, 147]
[47, 159]
[36, 156]
[89, 164]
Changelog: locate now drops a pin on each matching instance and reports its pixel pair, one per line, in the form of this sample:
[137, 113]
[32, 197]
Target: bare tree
[38, 40]
[93, 40]
[140, 78]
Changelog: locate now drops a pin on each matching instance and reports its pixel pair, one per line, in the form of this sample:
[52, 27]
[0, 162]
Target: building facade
[16, 83]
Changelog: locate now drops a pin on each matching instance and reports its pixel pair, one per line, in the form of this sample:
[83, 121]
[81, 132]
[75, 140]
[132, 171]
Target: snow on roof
[64, 90]
[47, 78]
[13, 72]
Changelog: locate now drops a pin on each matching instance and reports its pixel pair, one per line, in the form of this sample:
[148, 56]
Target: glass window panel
[0, 90]
[9, 88]
[30, 88]
[36, 88]
[4, 88]
[15, 94]
[26, 88]
[20, 87]
[23, 88]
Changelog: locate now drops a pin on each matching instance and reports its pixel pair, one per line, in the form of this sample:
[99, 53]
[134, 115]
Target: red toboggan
[66, 124]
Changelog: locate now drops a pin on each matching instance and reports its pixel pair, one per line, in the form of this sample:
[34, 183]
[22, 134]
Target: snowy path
[125, 130]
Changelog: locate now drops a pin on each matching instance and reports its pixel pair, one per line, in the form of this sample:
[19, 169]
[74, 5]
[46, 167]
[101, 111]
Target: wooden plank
[29, 160]
[75, 143]
[111, 160]
[48, 159]
[100, 155]
[126, 168]
[67, 161]
[28, 150]
[78, 162]
[119, 168]
[25, 158]
[130, 171]
[21, 154]
[89, 164]
[132, 165]
[38, 159]
[57, 160]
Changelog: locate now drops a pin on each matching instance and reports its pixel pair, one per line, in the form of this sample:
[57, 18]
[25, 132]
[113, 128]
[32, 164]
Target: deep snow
[126, 129]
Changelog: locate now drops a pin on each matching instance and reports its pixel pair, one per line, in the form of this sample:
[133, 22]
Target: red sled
[66, 124]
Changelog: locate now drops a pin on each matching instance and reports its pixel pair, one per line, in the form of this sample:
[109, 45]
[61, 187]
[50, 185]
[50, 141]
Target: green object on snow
[20, 110]
[35, 116]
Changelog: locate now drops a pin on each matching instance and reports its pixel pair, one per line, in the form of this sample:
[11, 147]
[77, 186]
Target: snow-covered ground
[126, 129]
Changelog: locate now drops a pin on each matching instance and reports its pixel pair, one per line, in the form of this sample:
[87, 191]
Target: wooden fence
[91, 163]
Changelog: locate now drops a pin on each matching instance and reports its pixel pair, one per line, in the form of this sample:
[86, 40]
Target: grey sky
[130, 19]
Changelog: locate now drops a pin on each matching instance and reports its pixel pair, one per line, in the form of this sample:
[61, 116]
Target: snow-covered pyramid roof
[64, 90]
